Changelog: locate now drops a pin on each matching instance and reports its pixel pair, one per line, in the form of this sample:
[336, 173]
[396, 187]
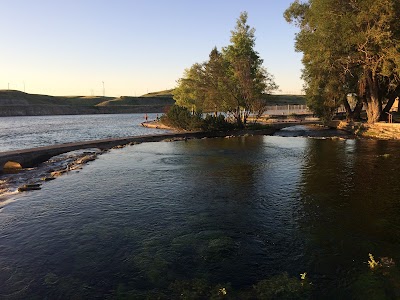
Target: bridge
[32, 157]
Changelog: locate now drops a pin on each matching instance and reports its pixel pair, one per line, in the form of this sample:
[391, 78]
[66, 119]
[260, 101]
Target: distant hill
[286, 99]
[162, 94]
[132, 101]
[17, 103]
[272, 99]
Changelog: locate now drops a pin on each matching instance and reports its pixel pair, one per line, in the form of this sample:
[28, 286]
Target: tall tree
[231, 80]
[349, 46]
[191, 88]
[249, 79]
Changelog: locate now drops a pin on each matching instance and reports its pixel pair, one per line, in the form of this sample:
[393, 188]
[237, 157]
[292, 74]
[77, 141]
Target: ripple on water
[232, 211]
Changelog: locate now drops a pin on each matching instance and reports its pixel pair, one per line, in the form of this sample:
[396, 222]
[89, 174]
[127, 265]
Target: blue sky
[70, 47]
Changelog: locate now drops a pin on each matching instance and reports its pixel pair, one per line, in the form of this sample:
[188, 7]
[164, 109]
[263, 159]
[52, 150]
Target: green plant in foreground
[381, 281]
[371, 262]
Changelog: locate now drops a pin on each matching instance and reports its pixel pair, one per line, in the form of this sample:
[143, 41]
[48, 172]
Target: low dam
[34, 156]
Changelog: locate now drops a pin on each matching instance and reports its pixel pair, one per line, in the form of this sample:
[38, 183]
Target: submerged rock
[12, 167]
[86, 159]
[57, 173]
[48, 178]
[29, 187]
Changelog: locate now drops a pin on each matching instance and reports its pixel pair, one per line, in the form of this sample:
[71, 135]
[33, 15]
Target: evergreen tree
[231, 80]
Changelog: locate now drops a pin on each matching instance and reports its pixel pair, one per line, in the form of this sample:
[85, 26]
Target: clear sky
[69, 47]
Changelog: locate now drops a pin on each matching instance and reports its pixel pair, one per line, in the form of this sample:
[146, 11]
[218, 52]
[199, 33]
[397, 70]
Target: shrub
[218, 123]
[181, 118]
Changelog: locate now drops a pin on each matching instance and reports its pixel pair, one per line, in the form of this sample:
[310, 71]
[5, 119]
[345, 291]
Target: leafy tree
[248, 79]
[231, 80]
[190, 91]
[349, 46]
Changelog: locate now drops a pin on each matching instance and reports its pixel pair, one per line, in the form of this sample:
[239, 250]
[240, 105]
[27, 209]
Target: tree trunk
[357, 110]
[353, 115]
[374, 104]
[349, 113]
[374, 110]
[392, 98]
[238, 117]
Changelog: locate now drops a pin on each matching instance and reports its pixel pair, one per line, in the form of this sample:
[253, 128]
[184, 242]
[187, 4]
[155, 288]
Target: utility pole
[104, 91]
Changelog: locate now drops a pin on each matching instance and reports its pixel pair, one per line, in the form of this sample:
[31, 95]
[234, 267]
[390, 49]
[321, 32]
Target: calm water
[163, 219]
[30, 132]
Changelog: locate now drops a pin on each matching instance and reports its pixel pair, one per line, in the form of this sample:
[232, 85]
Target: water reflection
[149, 218]
[350, 207]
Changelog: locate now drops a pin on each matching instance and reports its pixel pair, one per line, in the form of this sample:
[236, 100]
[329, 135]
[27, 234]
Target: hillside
[162, 94]
[286, 99]
[129, 101]
[272, 99]
[17, 103]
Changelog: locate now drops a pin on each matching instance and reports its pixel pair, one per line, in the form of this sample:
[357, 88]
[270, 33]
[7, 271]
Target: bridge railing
[287, 109]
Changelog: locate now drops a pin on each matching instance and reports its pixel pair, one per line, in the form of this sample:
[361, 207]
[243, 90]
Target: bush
[218, 123]
[181, 118]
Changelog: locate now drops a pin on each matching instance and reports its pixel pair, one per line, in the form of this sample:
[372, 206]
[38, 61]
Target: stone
[12, 166]
[29, 187]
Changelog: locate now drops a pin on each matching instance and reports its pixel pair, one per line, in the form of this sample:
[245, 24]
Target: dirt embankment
[379, 130]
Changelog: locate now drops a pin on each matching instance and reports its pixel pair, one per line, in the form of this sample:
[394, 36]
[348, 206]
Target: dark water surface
[226, 211]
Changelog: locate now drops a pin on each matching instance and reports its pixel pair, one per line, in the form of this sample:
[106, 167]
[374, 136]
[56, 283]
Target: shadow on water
[351, 209]
[314, 131]
[244, 216]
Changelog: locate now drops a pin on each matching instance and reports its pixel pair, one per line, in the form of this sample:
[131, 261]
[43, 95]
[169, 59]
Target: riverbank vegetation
[180, 117]
[349, 48]
[232, 81]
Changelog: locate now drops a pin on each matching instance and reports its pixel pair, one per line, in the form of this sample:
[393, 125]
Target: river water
[36, 131]
[243, 216]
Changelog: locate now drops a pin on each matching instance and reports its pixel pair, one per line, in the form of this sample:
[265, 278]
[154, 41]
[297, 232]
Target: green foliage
[190, 91]
[219, 123]
[181, 118]
[348, 47]
[231, 80]
[322, 108]
[282, 287]
[381, 281]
